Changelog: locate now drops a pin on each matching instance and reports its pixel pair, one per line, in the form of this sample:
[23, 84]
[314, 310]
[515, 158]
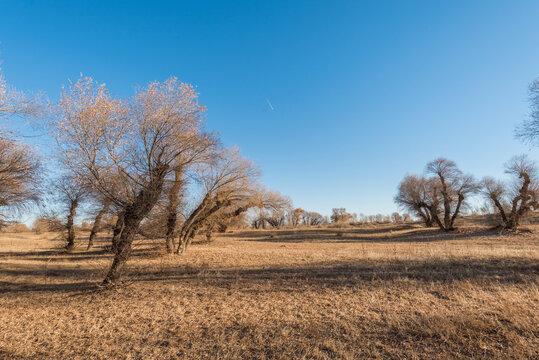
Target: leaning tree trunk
[117, 231]
[132, 216]
[188, 231]
[184, 231]
[424, 213]
[97, 223]
[70, 225]
[518, 211]
[434, 214]
[456, 213]
[172, 210]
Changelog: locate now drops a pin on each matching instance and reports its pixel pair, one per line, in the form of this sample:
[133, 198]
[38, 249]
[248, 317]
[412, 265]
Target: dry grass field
[394, 291]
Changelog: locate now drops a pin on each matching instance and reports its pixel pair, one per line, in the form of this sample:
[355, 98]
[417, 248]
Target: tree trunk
[447, 205]
[501, 210]
[70, 226]
[118, 228]
[97, 223]
[172, 212]
[132, 217]
[209, 233]
[188, 223]
[436, 218]
[456, 213]
[189, 230]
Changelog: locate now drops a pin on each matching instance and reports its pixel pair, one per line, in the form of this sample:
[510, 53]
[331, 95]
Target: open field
[394, 291]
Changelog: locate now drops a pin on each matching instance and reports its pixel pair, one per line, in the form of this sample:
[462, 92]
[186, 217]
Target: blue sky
[362, 92]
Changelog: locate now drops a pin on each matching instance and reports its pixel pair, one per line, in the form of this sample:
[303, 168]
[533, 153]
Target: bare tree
[312, 218]
[19, 164]
[271, 209]
[200, 152]
[70, 191]
[225, 180]
[529, 130]
[19, 176]
[340, 215]
[513, 202]
[396, 217]
[413, 196]
[127, 149]
[295, 216]
[453, 187]
[13, 102]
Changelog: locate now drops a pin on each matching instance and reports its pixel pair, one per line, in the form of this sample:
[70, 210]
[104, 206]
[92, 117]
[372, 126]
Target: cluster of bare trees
[149, 157]
[145, 159]
[439, 198]
[282, 213]
[516, 199]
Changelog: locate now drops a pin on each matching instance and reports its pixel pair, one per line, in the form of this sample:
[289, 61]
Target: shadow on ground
[324, 274]
[404, 233]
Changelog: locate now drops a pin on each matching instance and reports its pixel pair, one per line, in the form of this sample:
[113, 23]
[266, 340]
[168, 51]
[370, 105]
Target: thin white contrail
[269, 103]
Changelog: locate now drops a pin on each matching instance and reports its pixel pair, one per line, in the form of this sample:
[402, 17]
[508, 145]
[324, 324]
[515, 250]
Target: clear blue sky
[362, 92]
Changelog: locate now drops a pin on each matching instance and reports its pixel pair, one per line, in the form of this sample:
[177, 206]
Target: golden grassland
[388, 291]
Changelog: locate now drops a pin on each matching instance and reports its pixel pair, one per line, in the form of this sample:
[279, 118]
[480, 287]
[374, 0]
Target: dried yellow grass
[375, 292]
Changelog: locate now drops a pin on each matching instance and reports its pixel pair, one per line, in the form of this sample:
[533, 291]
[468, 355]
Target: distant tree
[440, 198]
[271, 209]
[452, 187]
[529, 130]
[312, 218]
[515, 201]
[225, 181]
[340, 215]
[396, 217]
[70, 191]
[413, 196]
[296, 216]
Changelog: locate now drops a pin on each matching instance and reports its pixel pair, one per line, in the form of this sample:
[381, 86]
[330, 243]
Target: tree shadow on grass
[359, 235]
[509, 270]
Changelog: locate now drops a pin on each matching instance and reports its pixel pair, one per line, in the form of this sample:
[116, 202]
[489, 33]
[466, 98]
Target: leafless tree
[340, 215]
[453, 187]
[13, 102]
[271, 209]
[312, 218]
[225, 180]
[513, 202]
[127, 149]
[396, 217]
[200, 152]
[529, 130]
[413, 196]
[70, 192]
[19, 164]
[296, 216]
[19, 176]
